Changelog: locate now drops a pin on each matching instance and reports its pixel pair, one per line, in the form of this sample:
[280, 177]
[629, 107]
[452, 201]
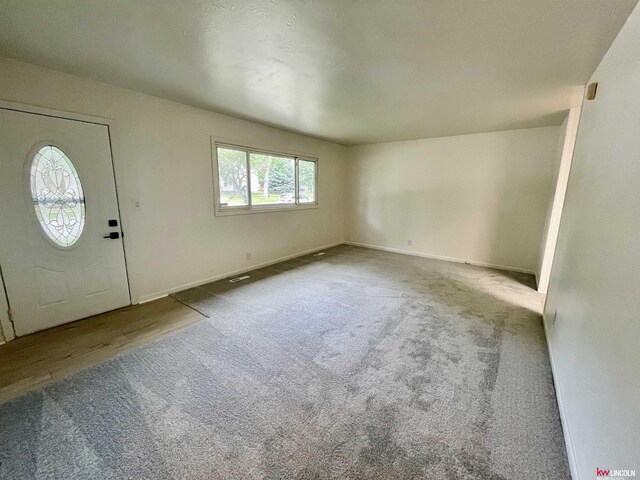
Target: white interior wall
[556, 173]
[568, 132]
[162, 156]
[595, 280]
[480, 198]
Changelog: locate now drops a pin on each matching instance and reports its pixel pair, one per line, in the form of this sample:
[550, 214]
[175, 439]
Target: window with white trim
[253, 180]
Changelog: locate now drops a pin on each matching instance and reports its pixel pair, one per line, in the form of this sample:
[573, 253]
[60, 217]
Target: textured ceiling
[348, 71]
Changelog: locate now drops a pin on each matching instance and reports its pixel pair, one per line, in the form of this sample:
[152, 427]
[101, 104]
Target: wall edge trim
[442, 257]
[163, 293]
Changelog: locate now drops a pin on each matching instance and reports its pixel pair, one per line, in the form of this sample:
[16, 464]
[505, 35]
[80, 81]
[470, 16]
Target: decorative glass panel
[273, 179]
[232, 173]
[307, 181]
[57, 196]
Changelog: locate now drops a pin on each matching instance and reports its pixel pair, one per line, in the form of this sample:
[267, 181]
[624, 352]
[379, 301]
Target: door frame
[6, 324]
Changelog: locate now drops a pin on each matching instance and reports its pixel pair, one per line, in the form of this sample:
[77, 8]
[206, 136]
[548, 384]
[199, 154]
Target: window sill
[226, 212]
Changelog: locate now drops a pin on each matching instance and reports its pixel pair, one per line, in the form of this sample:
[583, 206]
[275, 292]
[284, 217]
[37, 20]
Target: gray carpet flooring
[357, 364]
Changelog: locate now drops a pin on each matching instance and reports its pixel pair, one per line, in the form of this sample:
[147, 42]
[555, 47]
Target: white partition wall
[594, 292]
[550, 237]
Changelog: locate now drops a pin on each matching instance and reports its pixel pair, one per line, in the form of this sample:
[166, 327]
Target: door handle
[113, 235]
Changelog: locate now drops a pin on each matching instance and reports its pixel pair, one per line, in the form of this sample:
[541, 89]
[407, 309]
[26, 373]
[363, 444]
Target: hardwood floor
[41, 358]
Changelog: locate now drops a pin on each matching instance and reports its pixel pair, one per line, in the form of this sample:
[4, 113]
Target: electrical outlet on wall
[136, 204]
[348, 236]
[409, 242]
[248, 256]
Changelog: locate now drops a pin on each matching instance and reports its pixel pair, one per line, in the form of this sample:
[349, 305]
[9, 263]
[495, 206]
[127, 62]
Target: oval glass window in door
[57, 196]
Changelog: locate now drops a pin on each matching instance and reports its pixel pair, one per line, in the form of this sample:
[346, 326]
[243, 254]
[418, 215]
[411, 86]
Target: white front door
[57, 204]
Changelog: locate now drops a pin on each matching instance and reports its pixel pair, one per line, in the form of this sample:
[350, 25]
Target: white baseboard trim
[566, 431]
[441, 257]
[163, 293]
